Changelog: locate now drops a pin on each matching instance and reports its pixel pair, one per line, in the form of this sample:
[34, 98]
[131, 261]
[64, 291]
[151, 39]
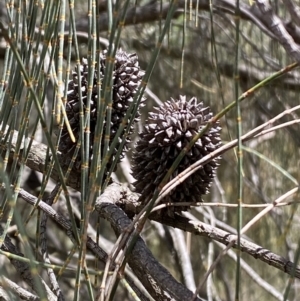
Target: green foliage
[43, 41]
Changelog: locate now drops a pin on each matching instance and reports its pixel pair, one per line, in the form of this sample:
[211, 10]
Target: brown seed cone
[167, 131]
[127, 77]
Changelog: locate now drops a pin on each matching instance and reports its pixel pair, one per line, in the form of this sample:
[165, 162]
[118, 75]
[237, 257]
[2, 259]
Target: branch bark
[36, 159]
[157, 279]
[24, 268]
[286, 32]
[128, 201]
[19, 291]
[294, 11]
[277, 27]
[154, 11]
[63, 223]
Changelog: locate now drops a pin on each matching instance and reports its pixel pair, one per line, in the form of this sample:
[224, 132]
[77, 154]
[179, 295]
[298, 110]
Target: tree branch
[154, 11]
[37, 158]
[128, 200]
[157, 280]
[18, 290]
[138, 262]
[277, 27]
[294, 11]
[24, 268]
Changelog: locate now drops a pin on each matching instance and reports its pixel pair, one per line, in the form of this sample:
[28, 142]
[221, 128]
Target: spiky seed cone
[127, 77]
[167, 131]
